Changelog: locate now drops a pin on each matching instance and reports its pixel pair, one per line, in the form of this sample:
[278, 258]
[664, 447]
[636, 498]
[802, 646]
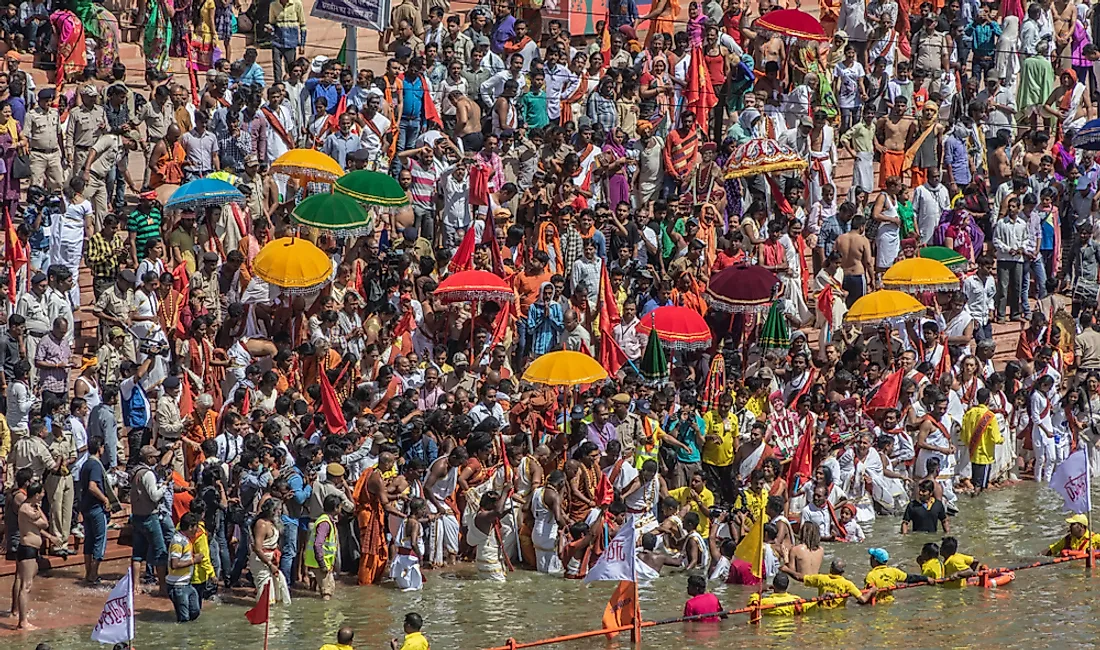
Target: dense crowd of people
[369, 429]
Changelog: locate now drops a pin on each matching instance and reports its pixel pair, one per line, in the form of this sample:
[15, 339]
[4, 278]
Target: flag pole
[1090, 561]
[636, 631]
[754, 617]
[133, 613]
[267, 623]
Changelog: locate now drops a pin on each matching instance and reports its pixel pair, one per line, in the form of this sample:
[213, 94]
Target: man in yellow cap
[1078, 539]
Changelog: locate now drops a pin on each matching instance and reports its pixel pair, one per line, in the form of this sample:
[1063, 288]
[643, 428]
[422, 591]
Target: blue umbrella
[202, 193]
[1088, 136]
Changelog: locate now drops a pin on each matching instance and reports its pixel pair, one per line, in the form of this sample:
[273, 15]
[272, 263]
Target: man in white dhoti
[822, 157]
[439, 488]
[549, 520]
[640, 497]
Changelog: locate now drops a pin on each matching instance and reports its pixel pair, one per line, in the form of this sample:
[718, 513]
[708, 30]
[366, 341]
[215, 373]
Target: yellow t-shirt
[884, 577]
[755, 405]
[1075, 544]
[987, 443]
[932, 568]
[955, 563]
[336, 646]
[684, 497]
[204, 570]
[415, 641]
[721, 454]
[780, 599]
[828, 585]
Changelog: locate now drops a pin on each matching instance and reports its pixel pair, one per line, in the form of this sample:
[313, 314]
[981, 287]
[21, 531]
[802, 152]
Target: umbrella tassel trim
[371, 199]
[777, 166]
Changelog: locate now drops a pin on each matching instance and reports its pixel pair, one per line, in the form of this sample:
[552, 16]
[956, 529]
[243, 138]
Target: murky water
[1050, 606]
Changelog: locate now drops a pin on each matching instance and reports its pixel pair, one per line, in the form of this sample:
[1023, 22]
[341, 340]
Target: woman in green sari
[158, 35]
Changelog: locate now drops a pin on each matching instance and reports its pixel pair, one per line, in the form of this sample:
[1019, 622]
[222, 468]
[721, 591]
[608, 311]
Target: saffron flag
[330, 406]
[116, 621]
[699, 95]
[605, 40]
[888, 393]
[1071, 480]
[260, 613]
[617, 561]
[612, 357]
[187, 395]
[751, 547]
[622, 608]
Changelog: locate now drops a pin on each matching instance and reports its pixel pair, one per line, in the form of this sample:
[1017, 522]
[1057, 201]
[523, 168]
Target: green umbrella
[372, 189]
[335, 212]
[776, 334]
[944, 255]
[654, 365]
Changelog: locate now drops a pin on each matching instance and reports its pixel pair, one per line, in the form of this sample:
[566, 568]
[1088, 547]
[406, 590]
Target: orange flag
[330, 406]
[622, 608]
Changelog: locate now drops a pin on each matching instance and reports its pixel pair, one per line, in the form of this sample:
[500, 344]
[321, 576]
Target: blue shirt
[414, 98]
[683, 432]
[426, 450]
[254, 76]
[623, 12]
[956, 157]
[503, 31]
[984, 37]
[331, 93]
[830, 230]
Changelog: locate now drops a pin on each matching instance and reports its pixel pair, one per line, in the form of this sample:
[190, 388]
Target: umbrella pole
[473, 329]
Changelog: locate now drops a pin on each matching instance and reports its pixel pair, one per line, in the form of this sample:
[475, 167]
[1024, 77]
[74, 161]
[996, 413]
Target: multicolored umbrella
[309, 165]
[1088, 136]
[945, 256]
[373, 189]
[742, 288]
[202, 193]
[294, 265]
[681, 328]
[474, 285]
[760, 156]
[335, 212]
[654, 365]
[883, 305]
[564, 368]
[776, 333]
[792, 22]
[919, 274]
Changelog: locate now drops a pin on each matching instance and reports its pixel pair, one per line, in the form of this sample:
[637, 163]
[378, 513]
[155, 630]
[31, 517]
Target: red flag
[259, 614]
[612, 357]
[182, 281]
[15, 254]
[825, 304]
[802, 462]
[187, 395]
[500, 327]
[605, 40]
[777, 196]
[944, 364]
[330, 407]
[699, 95]
[888, 393]
[463, 259]
[489, 236]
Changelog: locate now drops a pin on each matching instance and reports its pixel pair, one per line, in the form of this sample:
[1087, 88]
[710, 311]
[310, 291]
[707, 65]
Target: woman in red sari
[205, 362]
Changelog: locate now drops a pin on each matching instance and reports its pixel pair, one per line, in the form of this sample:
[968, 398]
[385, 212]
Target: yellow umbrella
[564, 368]
[294, 265]
[883, 305]
[920, 274]
[308, 165]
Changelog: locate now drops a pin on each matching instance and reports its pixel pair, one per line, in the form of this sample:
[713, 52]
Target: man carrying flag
[1078, 538]
[617, 563]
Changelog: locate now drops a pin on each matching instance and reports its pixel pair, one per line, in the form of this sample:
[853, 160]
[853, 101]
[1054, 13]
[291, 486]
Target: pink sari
[70, 44]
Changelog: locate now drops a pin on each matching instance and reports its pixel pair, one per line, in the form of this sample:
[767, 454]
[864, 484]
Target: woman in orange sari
[205, 363]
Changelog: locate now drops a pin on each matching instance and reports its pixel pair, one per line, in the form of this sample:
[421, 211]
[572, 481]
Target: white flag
[1071, 480]
[116, 623]
[617, 561]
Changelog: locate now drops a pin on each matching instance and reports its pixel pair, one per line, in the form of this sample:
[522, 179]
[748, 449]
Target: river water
[1050, 606]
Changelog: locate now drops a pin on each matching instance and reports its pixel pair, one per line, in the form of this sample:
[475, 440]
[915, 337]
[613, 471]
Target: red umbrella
[742, 288]
[680, 328]
[474, 286]
[792, 22]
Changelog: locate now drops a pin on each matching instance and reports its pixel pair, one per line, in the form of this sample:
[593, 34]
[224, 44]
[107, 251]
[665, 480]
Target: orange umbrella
[680, 328]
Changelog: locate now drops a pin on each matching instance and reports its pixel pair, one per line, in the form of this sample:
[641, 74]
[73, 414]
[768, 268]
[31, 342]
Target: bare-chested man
[856, 260]
[807, 555]
[467, 119]
[1031, 157]
[891, 134]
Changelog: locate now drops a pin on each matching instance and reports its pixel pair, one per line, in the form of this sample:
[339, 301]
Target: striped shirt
[145, 227]
[423, 182]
